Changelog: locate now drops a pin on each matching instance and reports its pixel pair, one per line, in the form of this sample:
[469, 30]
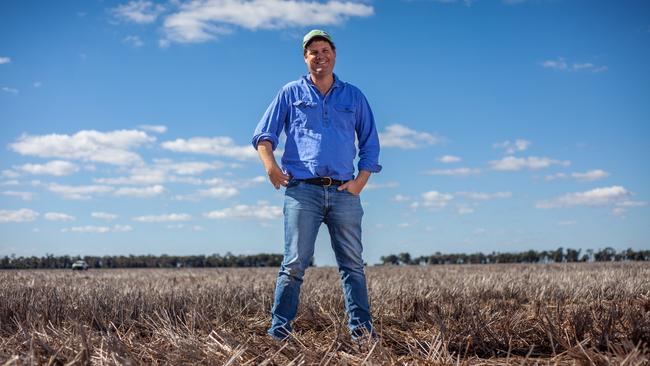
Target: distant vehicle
[80, 265]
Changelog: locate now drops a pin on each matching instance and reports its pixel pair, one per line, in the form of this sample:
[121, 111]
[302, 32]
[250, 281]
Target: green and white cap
[315, 33]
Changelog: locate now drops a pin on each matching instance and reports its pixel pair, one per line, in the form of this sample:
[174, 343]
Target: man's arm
[276, 176]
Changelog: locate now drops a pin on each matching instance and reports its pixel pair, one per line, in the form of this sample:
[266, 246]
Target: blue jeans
[306, 206]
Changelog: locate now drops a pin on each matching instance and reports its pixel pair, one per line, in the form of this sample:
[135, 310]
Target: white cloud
[628, 203]
[175, 217]
[25, 196]
[139, 11]
[401, 198]
[595, 197]
[87, 145]
[201, 21]
[219, 192]
[122, 228]
[22, 215]
[87, 229]
[58, 216]
[98, 229]
[153, 128]
[464, 209]
[144, 192]
[160, 171]
[37, 84]
[103, 216]
[11, 182]
[381, 185]
[588, 176]
[449, 159]
[56, 167]
[217, 146]
[512, 147]
[187, 167]
[261, 211]
[567, 222]
[134, 41]
[462, 172]
[7, 89]
[78, 192]
[558, 64]
[531, 162]
[5, 60]
[402, 137]
[435, 199]
[562, 65]
[481, 196]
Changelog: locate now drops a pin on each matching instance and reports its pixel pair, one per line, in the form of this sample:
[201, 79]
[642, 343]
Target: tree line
[143, 261]
[560, 255]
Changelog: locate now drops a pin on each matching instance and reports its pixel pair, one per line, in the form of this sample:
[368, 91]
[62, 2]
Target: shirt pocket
[304, 113]
[345, 115]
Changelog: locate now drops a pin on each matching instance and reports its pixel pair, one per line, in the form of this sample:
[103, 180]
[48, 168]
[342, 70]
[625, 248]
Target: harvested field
[589, 313]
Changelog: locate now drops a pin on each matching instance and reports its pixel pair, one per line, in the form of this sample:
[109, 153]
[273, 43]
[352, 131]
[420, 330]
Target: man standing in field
[321, 117]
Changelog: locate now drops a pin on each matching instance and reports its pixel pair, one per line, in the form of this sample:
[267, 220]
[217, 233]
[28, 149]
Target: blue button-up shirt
[321, 130]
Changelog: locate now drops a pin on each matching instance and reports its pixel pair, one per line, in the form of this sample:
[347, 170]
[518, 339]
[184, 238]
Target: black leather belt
[324, 181]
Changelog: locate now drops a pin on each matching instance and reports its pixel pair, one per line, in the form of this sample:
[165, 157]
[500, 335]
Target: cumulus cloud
[401, 198]
[595, 197]
[103, 216]
[261, 211]
[201, 21]
[21, 215]
[511, 147]
[162, 171]
[143, 192]
[25, 196]
[5, 60]
[174, 217]
[402, 137]
[98, 229]
[464, 209]
[449, 159]
[78, 192]
[56, 167]
[87, 145]
[532, 162]
[482, 196]
[58, 216]
[216, 146]
[459, 172]
[139, 11]
[588, 176]
[561, 65]
[134, 41]
[381, 185]
[9, 90]
[435, 199]
[153, 128]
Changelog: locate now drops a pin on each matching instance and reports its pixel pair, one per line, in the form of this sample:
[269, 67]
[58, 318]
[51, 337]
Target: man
[321, 117]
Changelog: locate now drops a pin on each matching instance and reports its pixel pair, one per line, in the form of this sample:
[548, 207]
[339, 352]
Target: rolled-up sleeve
[270, 126]
[368, 138]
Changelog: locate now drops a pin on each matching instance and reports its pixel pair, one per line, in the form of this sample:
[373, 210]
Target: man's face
[320, 58]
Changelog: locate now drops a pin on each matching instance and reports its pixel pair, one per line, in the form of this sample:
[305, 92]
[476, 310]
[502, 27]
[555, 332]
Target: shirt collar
[336, 84]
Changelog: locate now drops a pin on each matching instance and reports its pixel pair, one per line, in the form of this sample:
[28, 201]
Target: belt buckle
[328, 184]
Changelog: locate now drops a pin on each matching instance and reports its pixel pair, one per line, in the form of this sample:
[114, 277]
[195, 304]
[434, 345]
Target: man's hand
[277, 177]
[356, 185]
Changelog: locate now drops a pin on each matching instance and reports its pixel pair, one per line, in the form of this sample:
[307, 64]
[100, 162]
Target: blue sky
[505, 125]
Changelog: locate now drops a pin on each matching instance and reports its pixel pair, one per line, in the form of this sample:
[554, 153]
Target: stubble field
[585, 313]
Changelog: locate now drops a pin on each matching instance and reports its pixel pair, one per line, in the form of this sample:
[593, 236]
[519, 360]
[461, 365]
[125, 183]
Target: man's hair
[318, 38]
